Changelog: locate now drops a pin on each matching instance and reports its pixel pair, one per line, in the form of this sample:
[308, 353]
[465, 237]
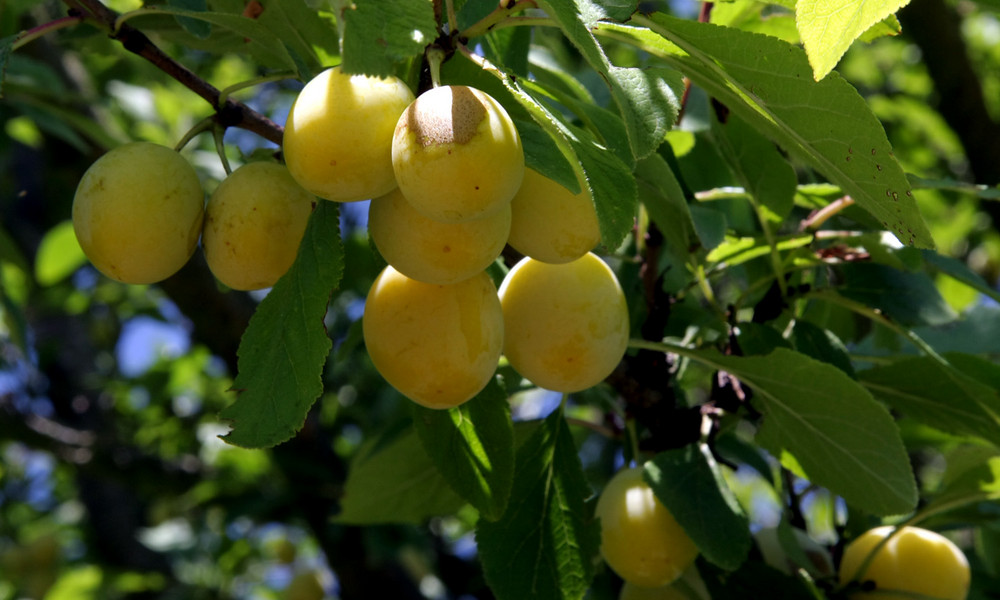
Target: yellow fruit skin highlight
[551, 224]
[566, 326]
[338, 136]
[137, 212]
[431, 251]
[456, 154]
[437, 344]
[640, 540]
[914, 560]
[254, 224]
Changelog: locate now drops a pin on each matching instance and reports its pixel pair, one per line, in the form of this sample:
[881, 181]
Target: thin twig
[229, 113]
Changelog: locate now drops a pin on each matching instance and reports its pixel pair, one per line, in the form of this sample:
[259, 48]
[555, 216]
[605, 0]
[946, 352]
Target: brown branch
[231, 113]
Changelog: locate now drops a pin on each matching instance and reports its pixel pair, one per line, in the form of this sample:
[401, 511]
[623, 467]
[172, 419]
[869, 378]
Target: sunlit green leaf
[829, 27]
[283, 350]
[59, 255]
[768, 82]
[378, 34]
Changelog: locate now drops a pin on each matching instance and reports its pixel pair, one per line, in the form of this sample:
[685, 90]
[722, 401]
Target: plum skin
[338, 135]
[254, 223]
[138, 211]
[436, 344]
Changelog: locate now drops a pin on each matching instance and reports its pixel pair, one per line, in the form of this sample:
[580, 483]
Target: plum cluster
[140, 210]
[449, 189]
[446, 174]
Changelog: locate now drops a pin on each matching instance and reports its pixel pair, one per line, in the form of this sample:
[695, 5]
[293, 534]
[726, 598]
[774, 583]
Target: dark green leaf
[817, 417]
[769, 83]
[689, 483]
[911, 299]
[509, 47]
[6, 48]
[542, 154]
[473, 447]
[663, 197]
[302, 31]
[285, 346]
[710, 224]
[822, 345]
[940, 396]
[754, 579]
[760, 168]
[959, 270]
[378, 34]
[262, 43]
[645, 100]
[395, 481]
[542, 547]
[618, 10]
[197, 28]
[613, 188]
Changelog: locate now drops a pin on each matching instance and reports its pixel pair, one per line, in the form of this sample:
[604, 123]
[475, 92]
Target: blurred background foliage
[114, 482]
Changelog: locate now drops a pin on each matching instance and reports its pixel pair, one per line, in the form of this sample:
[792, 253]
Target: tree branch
[228, 113]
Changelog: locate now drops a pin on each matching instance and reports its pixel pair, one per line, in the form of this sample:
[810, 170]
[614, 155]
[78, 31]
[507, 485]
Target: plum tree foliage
[553, 299]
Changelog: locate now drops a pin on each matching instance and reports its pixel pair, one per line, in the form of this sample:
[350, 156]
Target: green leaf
[542, 154]
[612, 186]
[59, 255]
[646, 101]
[760, 168]
[829, 27]
[6, 49]
[199, 29]
[842, 439]
[618, 10]
[663, 197]
[262, 43]
[821, 344]
[302, 31]
[77, 583]
[768, 82]
[909, 298]
[285, 346]
[961, 272]
[754, 579]
[473, 447]
[394, 481]
[940, 396]
[378, 34]
[689, 483]
[542, 547]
